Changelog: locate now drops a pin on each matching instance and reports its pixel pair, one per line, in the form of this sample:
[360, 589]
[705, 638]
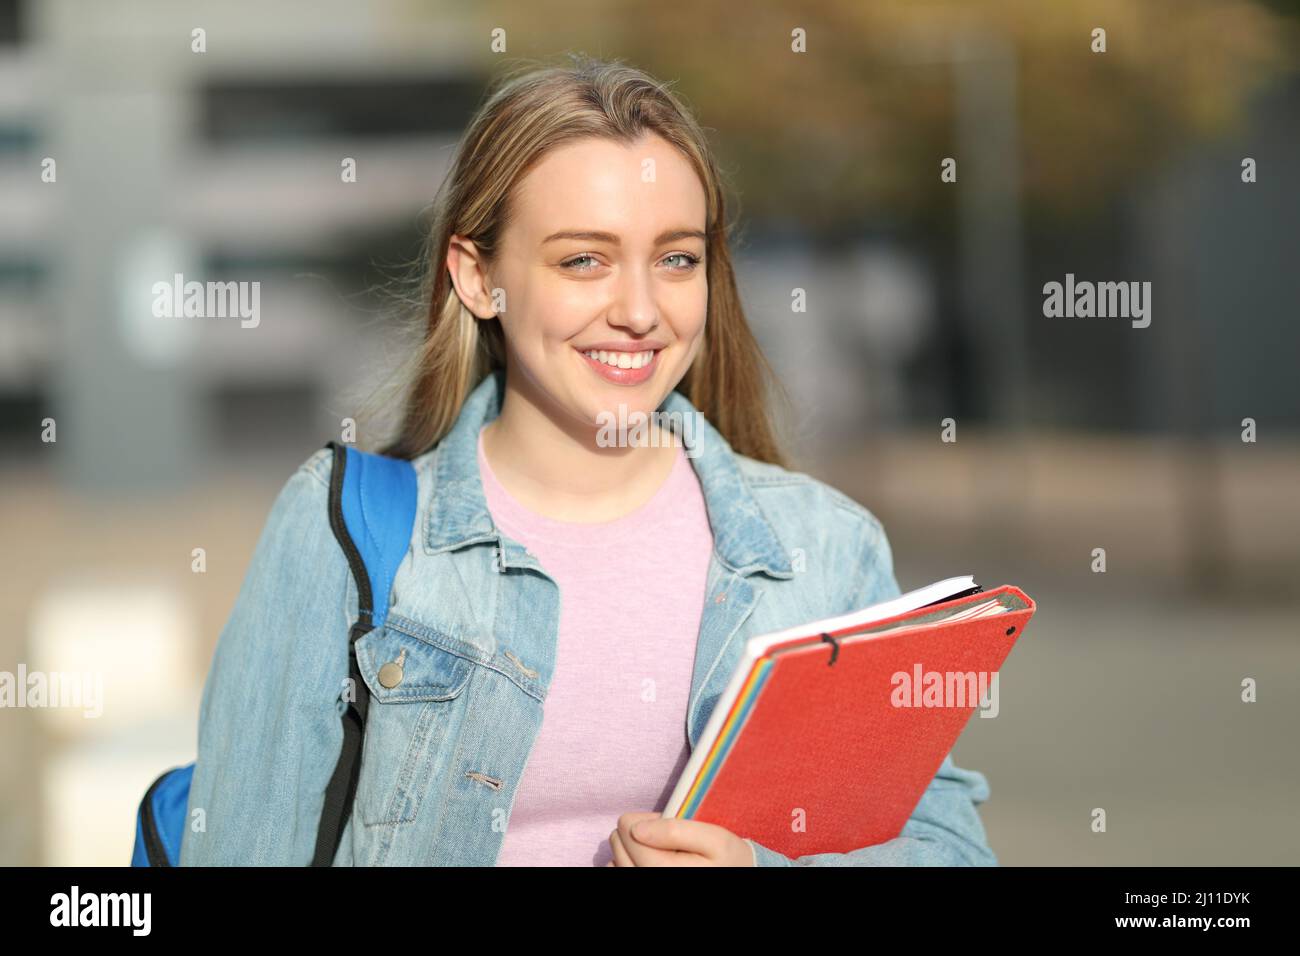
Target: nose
[634, 306]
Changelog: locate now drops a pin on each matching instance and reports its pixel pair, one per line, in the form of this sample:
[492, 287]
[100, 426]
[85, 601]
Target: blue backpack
[372, 503]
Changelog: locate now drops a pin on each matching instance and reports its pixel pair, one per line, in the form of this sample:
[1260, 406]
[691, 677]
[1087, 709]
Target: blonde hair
[527, 115]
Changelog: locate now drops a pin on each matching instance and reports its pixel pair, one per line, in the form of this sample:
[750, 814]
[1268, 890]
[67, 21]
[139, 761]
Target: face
[603, 273]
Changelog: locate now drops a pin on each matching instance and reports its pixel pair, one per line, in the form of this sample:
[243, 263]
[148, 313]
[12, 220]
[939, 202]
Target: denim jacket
[476, 616]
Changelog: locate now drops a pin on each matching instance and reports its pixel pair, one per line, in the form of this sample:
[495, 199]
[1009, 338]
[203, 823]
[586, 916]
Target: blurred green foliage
[855, 128]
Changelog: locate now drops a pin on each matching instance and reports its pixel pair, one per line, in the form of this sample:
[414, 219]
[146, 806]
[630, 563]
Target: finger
[646, 854]
[690, 836]
[640, 853]
[621, 857]
[628, 820]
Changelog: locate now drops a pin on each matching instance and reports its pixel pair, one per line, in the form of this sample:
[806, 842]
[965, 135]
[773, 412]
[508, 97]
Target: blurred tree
[856, 126]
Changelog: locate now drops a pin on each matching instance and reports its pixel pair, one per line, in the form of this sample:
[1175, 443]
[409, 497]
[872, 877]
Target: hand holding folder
[828, 733]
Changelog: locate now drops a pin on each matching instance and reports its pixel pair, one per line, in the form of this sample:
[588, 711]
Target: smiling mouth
[623, 360]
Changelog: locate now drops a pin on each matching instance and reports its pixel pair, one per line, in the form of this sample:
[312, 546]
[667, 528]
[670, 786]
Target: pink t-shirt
[613, 737]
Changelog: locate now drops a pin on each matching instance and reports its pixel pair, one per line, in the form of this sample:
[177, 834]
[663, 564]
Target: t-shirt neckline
[511, 514]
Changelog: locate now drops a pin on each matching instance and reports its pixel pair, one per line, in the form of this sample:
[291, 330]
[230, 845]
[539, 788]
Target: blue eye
[692, 261]
[572, 264]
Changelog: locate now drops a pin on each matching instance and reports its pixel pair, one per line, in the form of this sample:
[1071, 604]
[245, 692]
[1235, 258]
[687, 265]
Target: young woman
[559, 568]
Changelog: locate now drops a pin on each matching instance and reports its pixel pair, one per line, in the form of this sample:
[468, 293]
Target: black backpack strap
[372, 505]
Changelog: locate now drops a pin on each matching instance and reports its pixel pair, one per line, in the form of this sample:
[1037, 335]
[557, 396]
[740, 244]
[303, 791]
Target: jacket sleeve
[945, 828]
[269, 720]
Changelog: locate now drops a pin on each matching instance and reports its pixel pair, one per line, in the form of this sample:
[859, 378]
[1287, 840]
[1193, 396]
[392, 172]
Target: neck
[552, 464]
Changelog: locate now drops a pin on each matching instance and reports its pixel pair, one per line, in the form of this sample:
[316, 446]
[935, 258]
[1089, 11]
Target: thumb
[648, 830]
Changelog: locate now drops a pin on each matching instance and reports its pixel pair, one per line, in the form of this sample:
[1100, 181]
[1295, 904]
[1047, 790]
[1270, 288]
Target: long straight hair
[528, 114]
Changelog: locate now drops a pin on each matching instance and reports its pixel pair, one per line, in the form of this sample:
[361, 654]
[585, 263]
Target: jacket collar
[458, 515]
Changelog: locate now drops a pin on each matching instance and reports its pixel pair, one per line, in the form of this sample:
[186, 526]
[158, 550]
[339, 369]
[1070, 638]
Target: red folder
[828, 757]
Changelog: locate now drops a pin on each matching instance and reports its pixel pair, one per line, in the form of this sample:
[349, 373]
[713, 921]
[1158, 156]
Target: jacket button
[720, 598]
[390, 675]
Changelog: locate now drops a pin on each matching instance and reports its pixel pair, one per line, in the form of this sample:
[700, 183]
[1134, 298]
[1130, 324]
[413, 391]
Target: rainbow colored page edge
[740, 709]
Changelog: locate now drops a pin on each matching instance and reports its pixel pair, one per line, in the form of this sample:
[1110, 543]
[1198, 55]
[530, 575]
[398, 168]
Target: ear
[469, 274]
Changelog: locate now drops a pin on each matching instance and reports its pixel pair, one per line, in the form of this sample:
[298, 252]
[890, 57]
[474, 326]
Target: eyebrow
[591, 235]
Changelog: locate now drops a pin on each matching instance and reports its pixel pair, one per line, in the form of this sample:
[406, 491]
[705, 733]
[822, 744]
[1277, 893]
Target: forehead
[630, 189]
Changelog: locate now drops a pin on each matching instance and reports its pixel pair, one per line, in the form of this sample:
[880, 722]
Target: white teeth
[621, 359]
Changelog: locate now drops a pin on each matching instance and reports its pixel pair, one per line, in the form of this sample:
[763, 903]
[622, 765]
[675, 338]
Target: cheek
[559, 311]
[545, 325]
[684, 305]
[534, 306]
[694, 330]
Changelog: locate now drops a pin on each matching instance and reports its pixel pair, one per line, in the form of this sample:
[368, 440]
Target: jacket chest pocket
[415, 708]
